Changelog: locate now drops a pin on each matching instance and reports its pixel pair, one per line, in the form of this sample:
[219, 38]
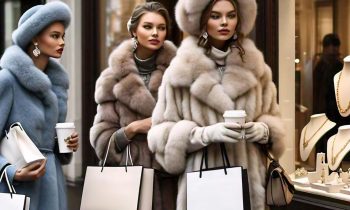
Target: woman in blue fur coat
[33, 91]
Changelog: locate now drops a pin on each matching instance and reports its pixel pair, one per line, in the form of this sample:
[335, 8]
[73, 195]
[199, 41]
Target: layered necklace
[306, 142]
[334, 157]
[341, 110]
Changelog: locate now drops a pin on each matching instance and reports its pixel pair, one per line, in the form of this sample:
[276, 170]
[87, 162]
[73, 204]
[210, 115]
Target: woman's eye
[55, 36]
[162, 28]
[231, 16]
[213, 16]
[147, 26]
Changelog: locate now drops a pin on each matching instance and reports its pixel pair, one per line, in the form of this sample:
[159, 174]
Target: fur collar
[29, 76]
[193, 68]
[121, 81]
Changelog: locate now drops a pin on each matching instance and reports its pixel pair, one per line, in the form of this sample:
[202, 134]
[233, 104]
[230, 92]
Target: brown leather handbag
[279, 187]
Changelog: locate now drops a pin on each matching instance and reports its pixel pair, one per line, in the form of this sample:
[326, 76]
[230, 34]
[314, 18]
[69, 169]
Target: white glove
[222, 132]
[256, 132]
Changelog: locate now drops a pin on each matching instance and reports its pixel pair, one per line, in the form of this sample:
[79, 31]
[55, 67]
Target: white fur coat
[192, 95]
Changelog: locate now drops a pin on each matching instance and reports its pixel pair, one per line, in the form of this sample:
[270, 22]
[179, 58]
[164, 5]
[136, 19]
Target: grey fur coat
[122, 98]
[193, 94]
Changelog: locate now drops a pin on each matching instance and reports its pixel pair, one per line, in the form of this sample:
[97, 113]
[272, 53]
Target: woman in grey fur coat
[126, 93]
[33, 91]
[217, 68]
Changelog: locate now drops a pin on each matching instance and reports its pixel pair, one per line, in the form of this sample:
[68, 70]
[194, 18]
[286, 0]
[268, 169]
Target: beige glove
[256, 132]
[221, 132]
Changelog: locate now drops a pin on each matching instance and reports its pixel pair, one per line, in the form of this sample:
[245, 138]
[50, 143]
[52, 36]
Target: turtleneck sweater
[146, 67]
[219, 57]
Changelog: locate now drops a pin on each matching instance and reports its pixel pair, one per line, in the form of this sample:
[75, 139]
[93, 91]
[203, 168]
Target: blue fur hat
[34, 20]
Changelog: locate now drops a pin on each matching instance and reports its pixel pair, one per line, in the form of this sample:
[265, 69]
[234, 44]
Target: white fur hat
[34, 20]
[188, 14]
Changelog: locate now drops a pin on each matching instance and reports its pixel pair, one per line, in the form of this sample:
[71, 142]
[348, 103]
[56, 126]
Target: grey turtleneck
[219, 58]
[145, 67]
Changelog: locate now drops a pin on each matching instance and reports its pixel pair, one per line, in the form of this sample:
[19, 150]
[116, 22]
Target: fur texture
[188, 14]
[34, 20]
[38, 100]
[192, 95]
[122, 98]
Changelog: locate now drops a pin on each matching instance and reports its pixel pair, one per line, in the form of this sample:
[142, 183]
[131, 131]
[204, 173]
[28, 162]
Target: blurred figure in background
[328, 65]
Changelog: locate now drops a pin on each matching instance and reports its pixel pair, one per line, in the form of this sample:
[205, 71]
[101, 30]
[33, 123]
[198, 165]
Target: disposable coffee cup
[236, 116]
[64, 131]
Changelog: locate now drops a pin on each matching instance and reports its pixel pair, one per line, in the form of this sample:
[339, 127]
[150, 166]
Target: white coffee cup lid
[235, 113]
[65, 125]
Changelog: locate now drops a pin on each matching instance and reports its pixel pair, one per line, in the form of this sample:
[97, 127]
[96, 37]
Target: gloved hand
[222, 132]
[256, 132]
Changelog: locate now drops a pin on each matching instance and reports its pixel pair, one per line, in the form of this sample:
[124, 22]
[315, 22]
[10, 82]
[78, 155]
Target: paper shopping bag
[111, 189]
[223, 188]
[12, 200]
[18, 148]
[146, 194]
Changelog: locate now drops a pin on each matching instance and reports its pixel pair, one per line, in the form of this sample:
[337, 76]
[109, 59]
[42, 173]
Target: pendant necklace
[334, 157]
[306, 142]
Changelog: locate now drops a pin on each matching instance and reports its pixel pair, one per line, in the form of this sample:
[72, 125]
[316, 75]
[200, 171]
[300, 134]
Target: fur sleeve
[106, 122]
[271, 114]
[6, 100]
[169, 136]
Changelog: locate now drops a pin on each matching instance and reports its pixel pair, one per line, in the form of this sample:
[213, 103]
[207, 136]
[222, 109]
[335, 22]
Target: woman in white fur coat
[126, 94]
[217, 68]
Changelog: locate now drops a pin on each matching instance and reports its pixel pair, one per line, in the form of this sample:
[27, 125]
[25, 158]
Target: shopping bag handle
[127, 158]
[224, 156]
[9, 185]
[11, 126]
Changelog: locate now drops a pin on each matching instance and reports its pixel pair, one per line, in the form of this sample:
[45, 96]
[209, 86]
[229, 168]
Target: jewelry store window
[322, 96]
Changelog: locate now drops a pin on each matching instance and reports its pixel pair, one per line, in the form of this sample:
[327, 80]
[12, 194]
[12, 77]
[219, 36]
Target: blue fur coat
[38, 100]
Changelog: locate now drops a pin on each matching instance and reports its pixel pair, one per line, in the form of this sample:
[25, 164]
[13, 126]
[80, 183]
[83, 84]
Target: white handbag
[12, 200]
[110, 188]
[18, 149]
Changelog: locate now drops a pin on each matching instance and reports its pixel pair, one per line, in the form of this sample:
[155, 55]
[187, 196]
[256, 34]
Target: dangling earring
[36, 51]
[135, 43]
[235, 36]
[203, 39]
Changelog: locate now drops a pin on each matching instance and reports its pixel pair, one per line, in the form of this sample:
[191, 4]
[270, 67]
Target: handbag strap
[127, 158]
[224, 156]
[9, 185]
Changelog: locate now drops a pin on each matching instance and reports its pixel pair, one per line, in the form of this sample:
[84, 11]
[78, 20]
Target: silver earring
[203, 38]
[235, 36]
[135, 43]
[36, 51]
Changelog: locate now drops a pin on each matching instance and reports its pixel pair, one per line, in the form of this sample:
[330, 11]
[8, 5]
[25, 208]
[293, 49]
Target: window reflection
[114, 18]
[315, 19]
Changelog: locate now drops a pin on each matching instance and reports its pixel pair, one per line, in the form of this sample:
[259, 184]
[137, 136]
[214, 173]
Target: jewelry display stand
[316, 175]
[346, 179]
[342, 88]
[319, 125]
[331, 183]
[338, 146]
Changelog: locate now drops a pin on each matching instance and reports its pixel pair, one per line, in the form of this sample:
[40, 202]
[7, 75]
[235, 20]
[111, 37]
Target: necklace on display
[341, 110]
[306, 142]
[334, 157]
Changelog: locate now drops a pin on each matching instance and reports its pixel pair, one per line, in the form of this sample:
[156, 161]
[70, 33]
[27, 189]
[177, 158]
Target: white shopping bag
[18, 148]
[124, 188]
[221, 188]
[12, 200]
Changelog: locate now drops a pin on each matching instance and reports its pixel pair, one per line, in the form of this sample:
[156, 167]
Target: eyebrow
[152, 23]
[213, 11]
